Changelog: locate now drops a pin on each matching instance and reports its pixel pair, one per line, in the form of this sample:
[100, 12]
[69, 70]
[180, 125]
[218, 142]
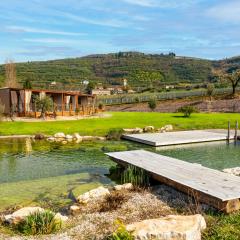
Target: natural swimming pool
[50, 174]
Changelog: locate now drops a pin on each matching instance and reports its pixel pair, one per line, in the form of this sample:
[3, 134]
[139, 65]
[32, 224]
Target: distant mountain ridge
[109, 69]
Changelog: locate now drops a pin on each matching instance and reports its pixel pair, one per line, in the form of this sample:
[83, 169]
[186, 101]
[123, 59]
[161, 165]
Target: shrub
[101, 106]
[152, 104]
[121, 233]
[187, 110]
[115, 134]
[137, 176]
[113, 201]
[40, 223]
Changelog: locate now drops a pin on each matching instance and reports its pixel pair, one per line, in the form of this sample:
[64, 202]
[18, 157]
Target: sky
[32, 30]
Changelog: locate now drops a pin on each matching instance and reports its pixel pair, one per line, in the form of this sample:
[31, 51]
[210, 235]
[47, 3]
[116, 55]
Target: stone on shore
[148, 129]
[126, 186]
[21, 214]
[133, 130]
[39, 136]
[169, 228]
[51, 139]
[168, 128]
[69, 138]
[93, 195]
[233, 171]
[59, 135]
[77, 137]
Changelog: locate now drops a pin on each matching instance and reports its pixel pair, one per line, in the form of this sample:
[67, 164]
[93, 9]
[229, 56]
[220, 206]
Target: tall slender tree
[233, 78]
[10, 74]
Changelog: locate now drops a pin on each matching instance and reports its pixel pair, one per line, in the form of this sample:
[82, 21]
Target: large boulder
[168, 128]
[77, 137]
[93, 195]
[169, 228]
[59, 135]
[148, 129]
[21, 214]
[233, 171]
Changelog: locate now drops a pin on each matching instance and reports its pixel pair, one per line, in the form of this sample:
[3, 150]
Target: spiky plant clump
[40, 223]
[137, 176]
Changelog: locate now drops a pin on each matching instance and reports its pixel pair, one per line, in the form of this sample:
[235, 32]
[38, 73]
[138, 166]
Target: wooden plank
[213, 187]
[174, 138]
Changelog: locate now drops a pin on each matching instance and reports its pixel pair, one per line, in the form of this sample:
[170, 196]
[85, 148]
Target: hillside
[140, 69]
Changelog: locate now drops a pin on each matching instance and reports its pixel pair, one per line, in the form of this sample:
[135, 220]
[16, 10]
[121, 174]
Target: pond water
[50, 174]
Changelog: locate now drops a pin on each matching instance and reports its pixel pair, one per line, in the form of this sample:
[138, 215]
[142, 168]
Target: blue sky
[52, 29]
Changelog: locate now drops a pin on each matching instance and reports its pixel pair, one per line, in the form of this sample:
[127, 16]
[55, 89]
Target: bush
[40, 223]
[121, 233]
[152, 104]
[113, 201]
[101, 106]
[187, 110]
[115, 134]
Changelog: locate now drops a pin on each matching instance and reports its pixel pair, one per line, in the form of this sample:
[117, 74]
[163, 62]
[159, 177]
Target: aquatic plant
[40, 223]
[115, 134]
[137, 176]
[121, 233]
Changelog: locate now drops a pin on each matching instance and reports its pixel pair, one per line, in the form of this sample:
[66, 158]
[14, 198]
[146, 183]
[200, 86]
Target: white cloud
[162, 3]
[23, 29]
[102, 22]
[48, 40]
[228, 11]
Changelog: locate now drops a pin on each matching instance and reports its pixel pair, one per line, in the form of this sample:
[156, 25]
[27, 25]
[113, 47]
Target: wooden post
[62, 103]
[228, 134]
[236, 130]
[24, 104]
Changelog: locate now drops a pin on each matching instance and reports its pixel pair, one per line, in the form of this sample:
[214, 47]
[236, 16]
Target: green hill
[140, 69]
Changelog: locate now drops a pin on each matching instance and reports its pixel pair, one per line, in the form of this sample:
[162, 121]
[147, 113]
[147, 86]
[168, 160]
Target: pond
[51, 174]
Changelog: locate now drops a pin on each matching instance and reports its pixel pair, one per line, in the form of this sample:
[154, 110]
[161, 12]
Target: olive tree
[210, 90]
[233, 78]
[44, 105]
[152, 104]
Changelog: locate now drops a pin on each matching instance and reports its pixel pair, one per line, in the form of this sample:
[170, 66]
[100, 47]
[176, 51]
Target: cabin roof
[50, 91]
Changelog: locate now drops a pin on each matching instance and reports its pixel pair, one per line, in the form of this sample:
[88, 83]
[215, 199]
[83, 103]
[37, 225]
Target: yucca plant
[40, 223]
[137, 176]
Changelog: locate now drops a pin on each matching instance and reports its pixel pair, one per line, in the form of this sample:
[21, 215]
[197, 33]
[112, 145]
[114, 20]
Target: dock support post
[236, 132]
[228, 133]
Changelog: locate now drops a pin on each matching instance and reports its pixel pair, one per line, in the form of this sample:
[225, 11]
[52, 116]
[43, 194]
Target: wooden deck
[213, 187]
[174, 138]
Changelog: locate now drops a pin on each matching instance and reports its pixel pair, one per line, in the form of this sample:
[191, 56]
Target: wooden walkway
[174, 138]
[213, 187]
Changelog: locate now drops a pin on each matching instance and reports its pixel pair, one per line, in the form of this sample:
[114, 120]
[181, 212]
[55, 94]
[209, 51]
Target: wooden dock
[175, 138]
[210, 186]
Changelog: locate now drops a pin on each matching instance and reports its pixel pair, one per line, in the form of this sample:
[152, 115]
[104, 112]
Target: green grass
[121, 120]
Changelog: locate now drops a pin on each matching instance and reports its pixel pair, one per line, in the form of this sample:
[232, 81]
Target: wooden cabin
[21, 102]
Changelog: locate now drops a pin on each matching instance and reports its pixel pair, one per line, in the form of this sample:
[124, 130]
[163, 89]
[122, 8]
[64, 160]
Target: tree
[233, 78]
[187, 110]
[152, 104]
[10, 74]
[210, 90]
[44, 105]
[90, 87]
[27, 84]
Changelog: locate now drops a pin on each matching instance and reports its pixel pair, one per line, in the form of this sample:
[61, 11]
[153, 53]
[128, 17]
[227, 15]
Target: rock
[101, 138]
[74, 209]
[60, 217]
[148, 129]
[233, 171]
[64, 142]
[69, 138]
[169, 228]
[39, 136]
[132, 130]
[59, 135]
[126, 186]
[92, 195]
[21, 214]
[51, 139]
[168, 128]
[77, 137]
[88, 138]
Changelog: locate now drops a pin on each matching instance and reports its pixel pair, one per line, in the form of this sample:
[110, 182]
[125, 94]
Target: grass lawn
[122, 120]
